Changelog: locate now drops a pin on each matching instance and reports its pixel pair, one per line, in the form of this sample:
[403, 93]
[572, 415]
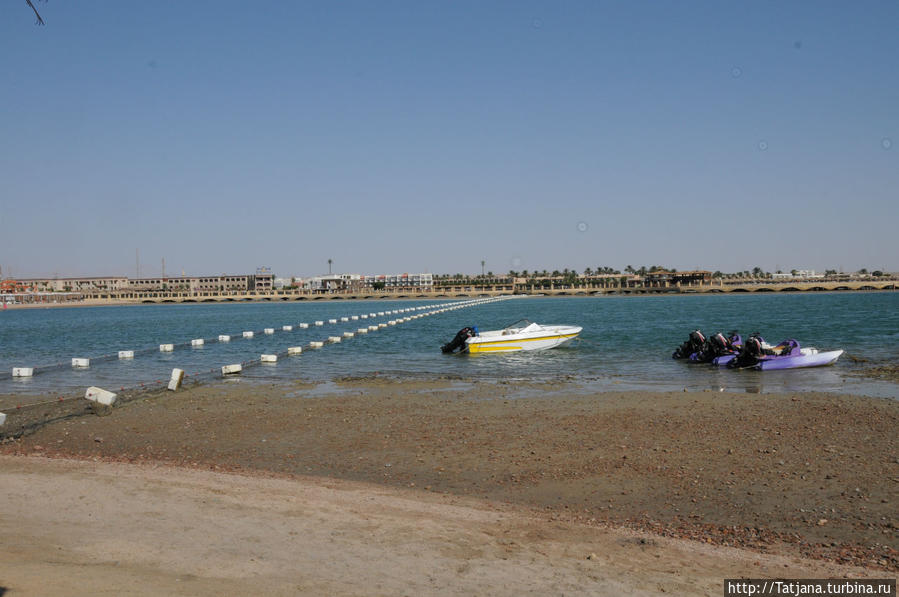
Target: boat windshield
[520, 324]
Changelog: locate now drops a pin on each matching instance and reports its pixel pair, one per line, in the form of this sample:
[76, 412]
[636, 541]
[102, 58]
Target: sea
[626, 343]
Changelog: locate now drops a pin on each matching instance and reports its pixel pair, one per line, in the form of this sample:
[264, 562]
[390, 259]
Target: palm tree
[630, 269]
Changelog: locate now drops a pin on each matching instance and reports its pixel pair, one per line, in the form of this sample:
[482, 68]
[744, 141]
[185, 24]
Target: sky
[429, 136]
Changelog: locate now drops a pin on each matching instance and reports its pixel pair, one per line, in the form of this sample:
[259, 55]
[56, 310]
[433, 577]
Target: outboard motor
[694, 343]
[459, 341]
[750, 354]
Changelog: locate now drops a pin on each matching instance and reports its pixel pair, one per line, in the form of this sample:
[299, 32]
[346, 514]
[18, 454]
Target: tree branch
[39, 21]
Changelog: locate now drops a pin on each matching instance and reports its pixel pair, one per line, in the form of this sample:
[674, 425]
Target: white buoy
[344, 319]
[22, 371]
[319, 323]
[295, 350]
[287, 328]
[391, 322]
[166, 347]
[2, 418]
[380, 314]
[224, 338]
[354, 317]
[333, 339]
[316, 344]
[197, 342]
[372, 328]
[231, 369]
[177, 378]
[303, 326]
[126, 354]
[348, 334]
[332, 321]
[269, 358]
[268, 331]
[382, 325]
[362, 331]
[99, 395]
[248, 334]
[363, 316]
[81, 363]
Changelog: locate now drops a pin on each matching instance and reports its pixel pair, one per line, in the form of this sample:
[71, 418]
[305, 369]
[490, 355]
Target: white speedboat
[521, 335]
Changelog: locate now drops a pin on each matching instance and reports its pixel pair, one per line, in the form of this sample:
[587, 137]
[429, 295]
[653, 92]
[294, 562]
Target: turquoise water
[626, 343]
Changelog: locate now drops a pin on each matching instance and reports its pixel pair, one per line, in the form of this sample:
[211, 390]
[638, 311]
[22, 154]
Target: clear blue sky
[427, 136]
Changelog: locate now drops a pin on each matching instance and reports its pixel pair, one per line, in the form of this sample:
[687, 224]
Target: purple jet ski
[786, 355]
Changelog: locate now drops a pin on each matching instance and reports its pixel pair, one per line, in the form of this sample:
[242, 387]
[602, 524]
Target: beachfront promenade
[474, 290]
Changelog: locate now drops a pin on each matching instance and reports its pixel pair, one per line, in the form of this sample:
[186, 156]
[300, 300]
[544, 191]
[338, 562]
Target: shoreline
[756, 471]
[204, 532]
[311, 299]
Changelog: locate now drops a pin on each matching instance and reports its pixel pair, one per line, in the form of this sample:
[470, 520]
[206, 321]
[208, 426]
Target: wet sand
[800, 476]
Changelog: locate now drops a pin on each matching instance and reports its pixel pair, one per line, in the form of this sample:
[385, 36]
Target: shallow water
[626, 343]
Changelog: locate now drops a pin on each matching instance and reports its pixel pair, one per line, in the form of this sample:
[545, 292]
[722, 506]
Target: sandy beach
[464, 487]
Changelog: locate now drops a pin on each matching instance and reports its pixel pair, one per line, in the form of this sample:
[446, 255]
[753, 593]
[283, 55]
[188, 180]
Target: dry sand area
[379, 487]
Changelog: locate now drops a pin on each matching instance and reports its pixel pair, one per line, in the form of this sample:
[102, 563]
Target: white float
[81, 363]
[332, 321]
[363, 316]
[333, 339]
[248, 334]
[126, 354]
[177, 378]
[348, 334]
[362, 331]
[303, 326]
[22, 371]
[319, 323]
[99, 395]
[372, 328]
[268, 331]
[231, 369]
[295, 350]
[287, 328]
[382, 325]
[166, 347]
[354, 317]
[316, 344]
[391, 322]
[197, 342]
[344, 319]
[224, 338]
[269, 358]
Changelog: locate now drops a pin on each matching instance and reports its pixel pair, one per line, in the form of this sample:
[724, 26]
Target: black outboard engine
[694, 343]
[750, 354]
[459, 341]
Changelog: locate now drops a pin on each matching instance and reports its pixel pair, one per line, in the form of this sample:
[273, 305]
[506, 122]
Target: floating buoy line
[108, 398]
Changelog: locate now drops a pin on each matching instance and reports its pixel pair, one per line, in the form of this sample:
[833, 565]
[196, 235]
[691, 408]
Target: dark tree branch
[39, 21]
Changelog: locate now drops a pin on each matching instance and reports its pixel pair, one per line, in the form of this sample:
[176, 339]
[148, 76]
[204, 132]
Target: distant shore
[410, 297]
